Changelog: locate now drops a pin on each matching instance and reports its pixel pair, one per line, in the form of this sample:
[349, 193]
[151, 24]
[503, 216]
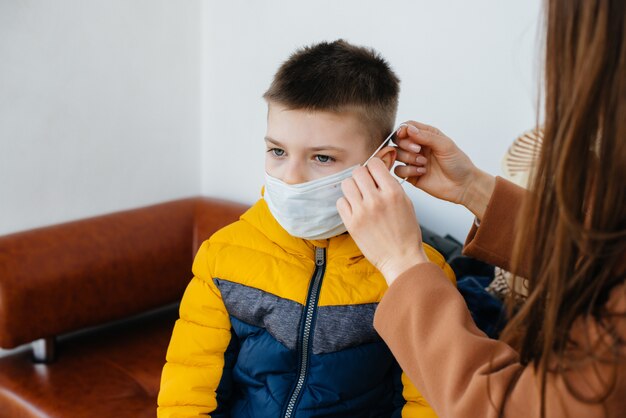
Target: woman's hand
[435, 164]
[380, 218]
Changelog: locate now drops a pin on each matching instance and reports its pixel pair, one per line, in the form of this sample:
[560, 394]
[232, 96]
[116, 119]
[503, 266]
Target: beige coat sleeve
[460, 371]
[493, 241]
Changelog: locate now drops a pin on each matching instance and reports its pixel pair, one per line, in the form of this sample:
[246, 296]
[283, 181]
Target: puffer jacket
[274, 326]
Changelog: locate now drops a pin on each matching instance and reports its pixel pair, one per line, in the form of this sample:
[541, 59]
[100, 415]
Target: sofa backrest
[66, 277]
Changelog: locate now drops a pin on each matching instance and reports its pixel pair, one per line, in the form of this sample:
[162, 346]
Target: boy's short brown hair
[339, 77]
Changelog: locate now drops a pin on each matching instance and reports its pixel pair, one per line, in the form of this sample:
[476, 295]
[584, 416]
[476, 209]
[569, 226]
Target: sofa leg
[44, 350]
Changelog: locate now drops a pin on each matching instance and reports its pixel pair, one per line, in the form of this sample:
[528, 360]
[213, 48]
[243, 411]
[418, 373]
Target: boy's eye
[324, 158]
[277, 152]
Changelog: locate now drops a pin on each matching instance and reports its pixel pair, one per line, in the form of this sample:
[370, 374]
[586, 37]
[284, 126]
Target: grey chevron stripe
[280, 317]
[336, 327]
[340, 327]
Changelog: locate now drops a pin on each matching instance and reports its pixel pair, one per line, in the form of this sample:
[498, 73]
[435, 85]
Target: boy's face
[307, 145]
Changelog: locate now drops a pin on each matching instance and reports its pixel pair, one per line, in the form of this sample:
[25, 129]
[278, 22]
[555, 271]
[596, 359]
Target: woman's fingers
[410, 157]
[381, 220]
[366, 182]
[417, 135]
[422, 127]
[381, 176]
[404, 171]
[351, 198]
[345, 211]
[405, 128]
[363, 180]
[448, 172]
[408, 146]
[422, 137]
[351, 191]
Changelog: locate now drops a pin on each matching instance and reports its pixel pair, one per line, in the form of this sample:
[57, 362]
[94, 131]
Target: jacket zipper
[306, 333]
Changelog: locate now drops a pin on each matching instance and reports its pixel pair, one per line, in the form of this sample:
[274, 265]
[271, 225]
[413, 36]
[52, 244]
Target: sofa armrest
[84, 273]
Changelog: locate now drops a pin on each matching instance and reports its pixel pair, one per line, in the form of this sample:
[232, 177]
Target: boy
[277, 321]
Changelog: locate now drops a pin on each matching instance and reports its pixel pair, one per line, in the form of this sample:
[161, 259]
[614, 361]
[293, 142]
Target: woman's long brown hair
[573, 237]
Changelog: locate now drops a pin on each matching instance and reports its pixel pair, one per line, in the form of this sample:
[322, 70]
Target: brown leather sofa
[60, 284]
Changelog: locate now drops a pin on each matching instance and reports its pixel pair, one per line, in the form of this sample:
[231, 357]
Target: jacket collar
[260, 217]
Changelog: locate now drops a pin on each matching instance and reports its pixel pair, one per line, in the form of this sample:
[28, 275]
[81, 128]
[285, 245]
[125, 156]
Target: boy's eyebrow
[322, 148]
[273, 141]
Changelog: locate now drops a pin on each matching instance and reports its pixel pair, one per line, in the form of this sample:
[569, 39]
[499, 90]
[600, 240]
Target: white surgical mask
[309, 210]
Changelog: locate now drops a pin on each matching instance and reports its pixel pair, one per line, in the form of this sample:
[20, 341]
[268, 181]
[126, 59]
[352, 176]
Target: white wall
[469, 68]
[100, 107]
[106, 105]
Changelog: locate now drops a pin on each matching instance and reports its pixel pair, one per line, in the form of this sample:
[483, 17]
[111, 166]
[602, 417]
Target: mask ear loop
[391, 137]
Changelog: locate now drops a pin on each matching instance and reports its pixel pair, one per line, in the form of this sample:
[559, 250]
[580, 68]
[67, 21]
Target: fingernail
[421, 160]
[413, 130]
[415, 147]
[421, 170]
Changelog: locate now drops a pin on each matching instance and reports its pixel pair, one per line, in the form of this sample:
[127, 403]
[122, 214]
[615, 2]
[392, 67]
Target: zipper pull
[319, 256]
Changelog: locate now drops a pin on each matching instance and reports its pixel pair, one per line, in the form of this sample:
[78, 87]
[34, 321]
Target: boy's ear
[388, 155]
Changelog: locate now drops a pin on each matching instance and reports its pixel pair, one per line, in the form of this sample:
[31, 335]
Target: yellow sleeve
[435, 257]
[195, 357]
[416, 406]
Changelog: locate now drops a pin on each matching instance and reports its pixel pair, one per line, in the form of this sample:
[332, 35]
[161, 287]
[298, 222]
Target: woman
[564, 350]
